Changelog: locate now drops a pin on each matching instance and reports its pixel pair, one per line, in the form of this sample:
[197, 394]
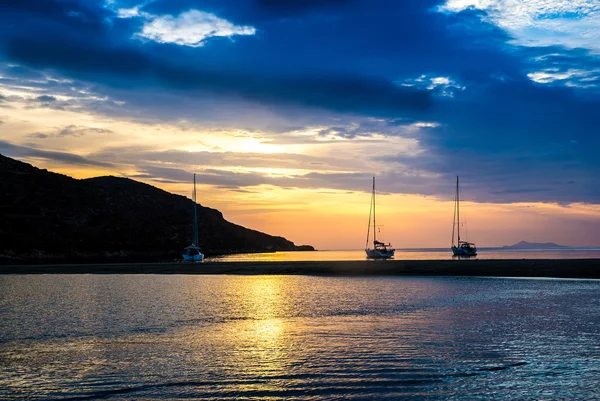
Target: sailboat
[380, 250]
[461, 248]
[193, 253]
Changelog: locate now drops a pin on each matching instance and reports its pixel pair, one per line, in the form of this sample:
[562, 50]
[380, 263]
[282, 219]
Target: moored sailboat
[193, 253]
[461, 248]
[380, 249]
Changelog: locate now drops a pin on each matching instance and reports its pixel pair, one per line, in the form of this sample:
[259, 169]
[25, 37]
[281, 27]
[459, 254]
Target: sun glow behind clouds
[325, 217]
[233, 143]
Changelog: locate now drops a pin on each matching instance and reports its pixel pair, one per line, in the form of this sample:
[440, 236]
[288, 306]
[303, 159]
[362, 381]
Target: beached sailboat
[460, 248]
[380, 250]
[193, 253]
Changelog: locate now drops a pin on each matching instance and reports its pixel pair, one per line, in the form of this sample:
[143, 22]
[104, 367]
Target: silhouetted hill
[47, 216]
[533, 245]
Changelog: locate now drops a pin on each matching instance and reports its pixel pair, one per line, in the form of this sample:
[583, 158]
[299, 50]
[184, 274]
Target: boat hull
[459, 251]
[192, 254]
[198, 258]
[380, 254]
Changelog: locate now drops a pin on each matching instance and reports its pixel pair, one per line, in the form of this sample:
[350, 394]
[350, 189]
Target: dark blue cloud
[345, 93]
[516, 141]
[93, 54]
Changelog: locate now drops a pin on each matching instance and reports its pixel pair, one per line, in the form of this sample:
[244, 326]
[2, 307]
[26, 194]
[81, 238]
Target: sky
[285, 109]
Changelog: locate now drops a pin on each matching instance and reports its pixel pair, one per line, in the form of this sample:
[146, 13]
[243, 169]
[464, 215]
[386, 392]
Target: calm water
[298, 338]
[409, 254]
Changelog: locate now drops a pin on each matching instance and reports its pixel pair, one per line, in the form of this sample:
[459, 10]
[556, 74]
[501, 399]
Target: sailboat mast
[369, 224]
[454, 219]
[458, 209]
[374, 223]
[195, 214]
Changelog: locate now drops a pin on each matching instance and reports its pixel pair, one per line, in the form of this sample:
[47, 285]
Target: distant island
[52, 218]
[534, 245]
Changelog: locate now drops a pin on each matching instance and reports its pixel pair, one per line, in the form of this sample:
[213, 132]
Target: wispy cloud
[69, 131]
[74, 130]
[12, 150]
[568, 23]
[571, 77]
[440, 85]
[128, 12]
[38, 135]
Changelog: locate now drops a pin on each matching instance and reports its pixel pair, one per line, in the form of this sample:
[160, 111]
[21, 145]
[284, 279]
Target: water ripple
[299, 338]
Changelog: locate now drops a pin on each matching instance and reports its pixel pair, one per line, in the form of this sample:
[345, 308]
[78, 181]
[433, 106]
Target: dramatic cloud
[118, 66]
[502, 92]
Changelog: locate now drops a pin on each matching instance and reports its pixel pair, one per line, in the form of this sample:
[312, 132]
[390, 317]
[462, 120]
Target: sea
[411, 254]
[182, 337]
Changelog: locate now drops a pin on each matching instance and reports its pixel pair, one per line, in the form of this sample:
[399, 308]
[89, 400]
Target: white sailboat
[461, 248]
[193, 253]
[380, 250]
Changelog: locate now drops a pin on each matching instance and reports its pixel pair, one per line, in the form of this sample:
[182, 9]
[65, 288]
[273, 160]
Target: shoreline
[551, 268]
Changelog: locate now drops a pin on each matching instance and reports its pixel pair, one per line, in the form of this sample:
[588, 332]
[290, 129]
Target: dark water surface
[298, 337]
